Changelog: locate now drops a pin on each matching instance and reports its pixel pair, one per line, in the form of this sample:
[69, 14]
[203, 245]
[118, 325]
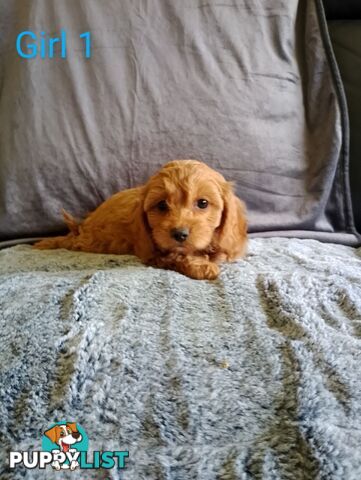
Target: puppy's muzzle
[180, 234]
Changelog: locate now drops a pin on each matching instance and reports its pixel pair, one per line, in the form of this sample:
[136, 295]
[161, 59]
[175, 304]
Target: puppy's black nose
[180, 234]
[75, 434]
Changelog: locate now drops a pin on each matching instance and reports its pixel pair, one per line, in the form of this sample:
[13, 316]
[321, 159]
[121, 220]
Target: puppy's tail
[66, 241]
[71, 223]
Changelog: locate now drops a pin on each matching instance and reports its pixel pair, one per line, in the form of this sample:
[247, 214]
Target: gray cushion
[243, 86]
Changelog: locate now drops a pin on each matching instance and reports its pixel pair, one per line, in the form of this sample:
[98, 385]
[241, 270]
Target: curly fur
[141, 220]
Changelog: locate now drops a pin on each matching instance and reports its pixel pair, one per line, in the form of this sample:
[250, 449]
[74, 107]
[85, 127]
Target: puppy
[65, 436]
[185, 218]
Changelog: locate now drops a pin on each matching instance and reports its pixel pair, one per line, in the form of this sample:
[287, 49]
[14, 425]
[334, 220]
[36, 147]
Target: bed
[253, 375]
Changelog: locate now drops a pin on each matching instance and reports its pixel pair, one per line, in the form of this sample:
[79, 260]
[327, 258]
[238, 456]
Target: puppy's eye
[62, 433]
[202, 203]
[162, 206]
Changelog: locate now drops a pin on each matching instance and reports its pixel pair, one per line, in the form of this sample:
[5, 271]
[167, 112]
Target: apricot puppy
[185, 218]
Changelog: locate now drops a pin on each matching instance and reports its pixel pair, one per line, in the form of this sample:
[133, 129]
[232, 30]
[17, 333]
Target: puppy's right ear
[144, 247]
[72, 426]
[53, 433]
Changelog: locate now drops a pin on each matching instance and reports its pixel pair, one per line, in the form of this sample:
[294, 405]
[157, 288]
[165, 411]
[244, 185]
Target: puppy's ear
[53, 434]
[232, 232]
[144, 247]
[72, 427]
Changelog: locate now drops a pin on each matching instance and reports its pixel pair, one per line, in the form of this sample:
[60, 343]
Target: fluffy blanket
[255, 375]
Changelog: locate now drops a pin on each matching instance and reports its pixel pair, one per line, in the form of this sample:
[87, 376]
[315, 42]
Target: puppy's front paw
[74, 464]
[201, 269]
[56, 465]
[197, 267]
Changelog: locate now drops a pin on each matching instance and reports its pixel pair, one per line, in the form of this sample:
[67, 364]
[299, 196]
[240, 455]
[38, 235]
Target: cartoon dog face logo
[65, 436]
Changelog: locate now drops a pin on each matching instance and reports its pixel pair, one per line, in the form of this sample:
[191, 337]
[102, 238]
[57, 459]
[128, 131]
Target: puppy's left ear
[232, 232]
[143, 244]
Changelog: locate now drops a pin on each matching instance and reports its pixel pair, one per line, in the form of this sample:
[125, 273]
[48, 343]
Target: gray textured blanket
[255, 375]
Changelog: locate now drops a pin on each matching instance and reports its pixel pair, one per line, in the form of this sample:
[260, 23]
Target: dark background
[344, 21]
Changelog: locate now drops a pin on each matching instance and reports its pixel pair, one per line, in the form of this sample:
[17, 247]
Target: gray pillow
[245, 86]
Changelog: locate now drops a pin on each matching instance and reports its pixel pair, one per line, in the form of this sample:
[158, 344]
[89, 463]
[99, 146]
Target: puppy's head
[64, 435]
[189, 207]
